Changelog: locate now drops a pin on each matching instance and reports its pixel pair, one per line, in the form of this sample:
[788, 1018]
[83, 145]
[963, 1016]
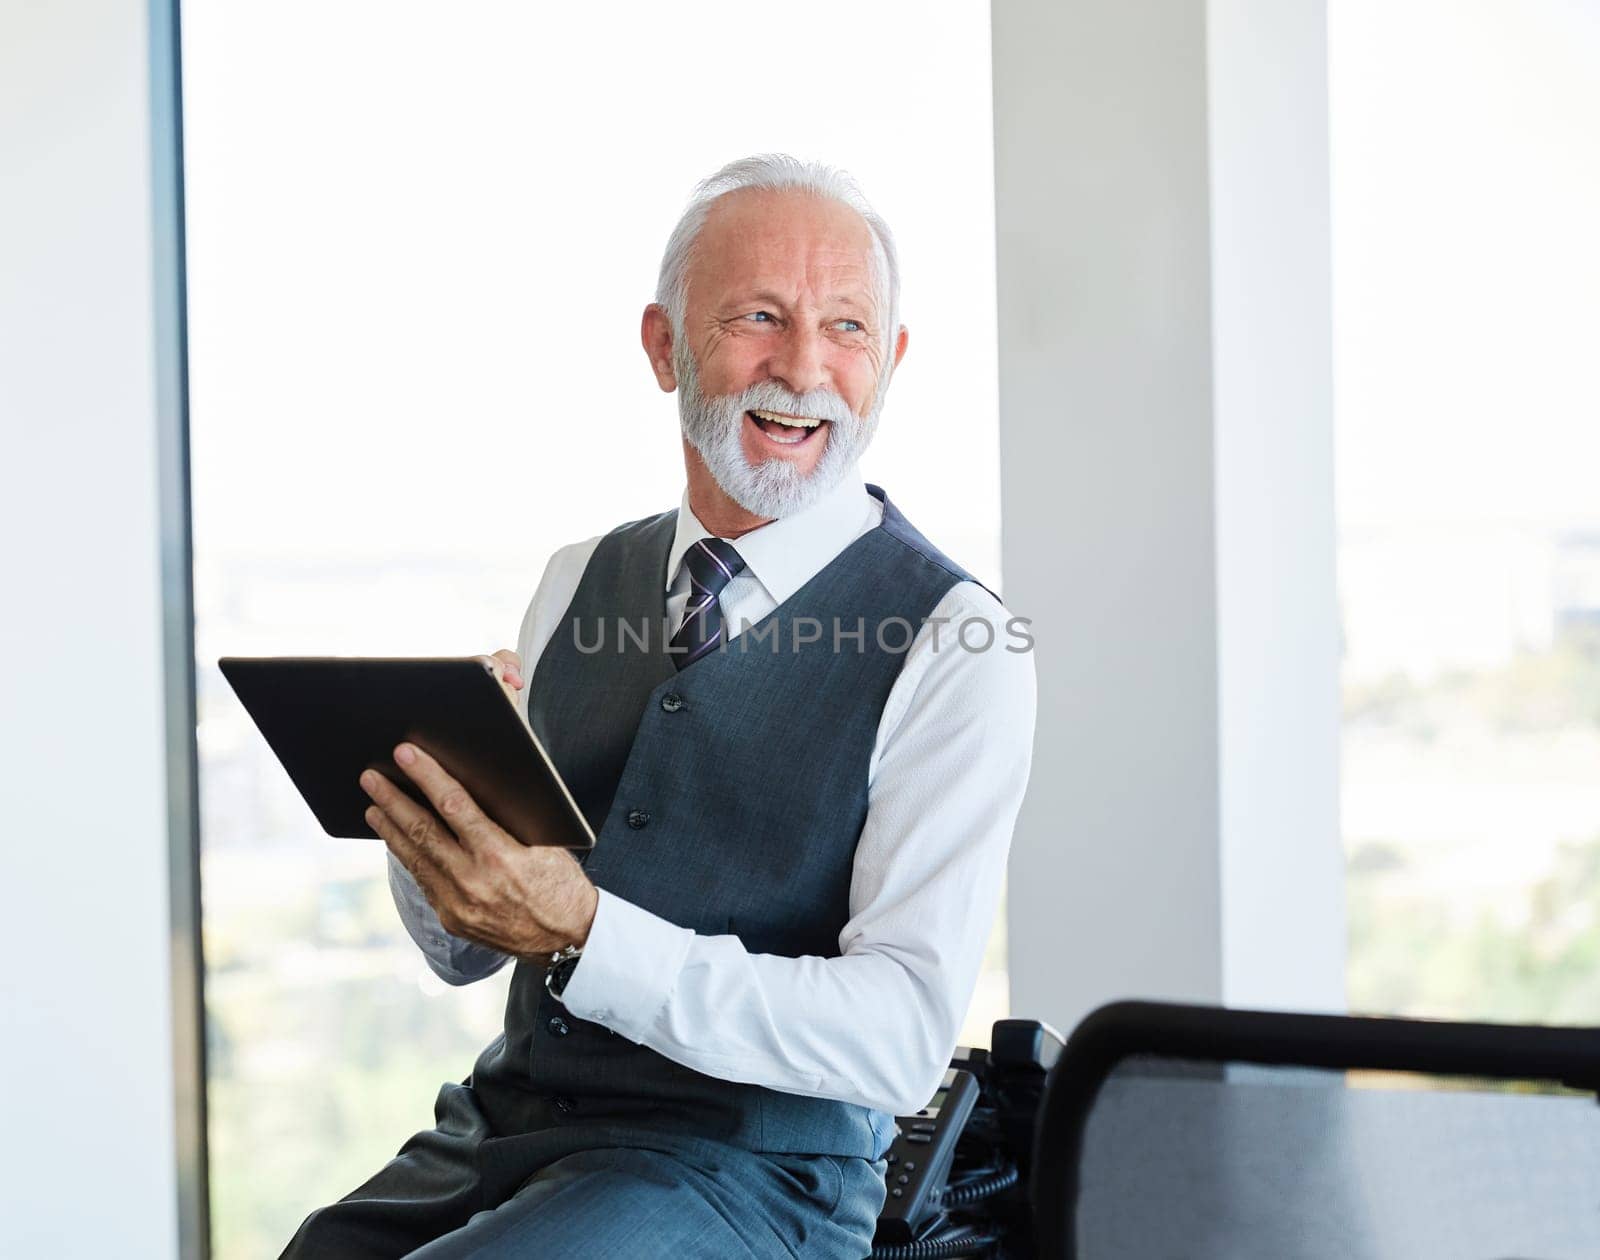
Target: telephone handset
[920, 1157]
[958, 1169]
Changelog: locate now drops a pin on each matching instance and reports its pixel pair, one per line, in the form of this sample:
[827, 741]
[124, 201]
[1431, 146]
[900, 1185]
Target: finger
[503, 676]
[419, 829]
[430, 876]
[415, 842]
[513, 667]
[439, 887]
[452, 801]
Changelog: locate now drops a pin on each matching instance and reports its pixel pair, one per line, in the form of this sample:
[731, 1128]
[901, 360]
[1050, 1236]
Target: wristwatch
[562, 964]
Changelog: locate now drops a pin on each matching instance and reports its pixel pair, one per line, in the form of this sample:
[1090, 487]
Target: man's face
[783, 289]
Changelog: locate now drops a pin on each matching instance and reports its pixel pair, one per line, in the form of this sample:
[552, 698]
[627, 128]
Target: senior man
[803, 800]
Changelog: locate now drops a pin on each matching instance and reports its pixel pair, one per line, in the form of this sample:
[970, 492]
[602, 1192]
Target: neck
[710, 502]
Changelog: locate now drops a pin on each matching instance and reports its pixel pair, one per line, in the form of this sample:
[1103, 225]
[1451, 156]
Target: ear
[900, 343]
[655, 334]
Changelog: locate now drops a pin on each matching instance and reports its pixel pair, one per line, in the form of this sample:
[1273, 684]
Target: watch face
[556, 978]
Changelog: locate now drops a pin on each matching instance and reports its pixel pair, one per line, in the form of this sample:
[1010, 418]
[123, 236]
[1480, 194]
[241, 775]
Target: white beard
[773, 488]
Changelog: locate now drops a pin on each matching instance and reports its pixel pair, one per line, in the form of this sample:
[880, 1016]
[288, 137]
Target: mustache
[815, 404]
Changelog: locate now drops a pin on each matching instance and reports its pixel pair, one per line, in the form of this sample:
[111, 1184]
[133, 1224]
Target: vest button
[564, 1104]
[637, 818]
[672, 702]
[558, 1027]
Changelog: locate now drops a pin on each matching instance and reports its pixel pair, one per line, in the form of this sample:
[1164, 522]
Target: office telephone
[958, 1169]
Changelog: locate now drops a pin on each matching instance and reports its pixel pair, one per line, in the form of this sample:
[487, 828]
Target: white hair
[775, 172]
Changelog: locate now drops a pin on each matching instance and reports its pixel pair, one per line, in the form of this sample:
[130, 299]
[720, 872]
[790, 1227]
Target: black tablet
[328, 718]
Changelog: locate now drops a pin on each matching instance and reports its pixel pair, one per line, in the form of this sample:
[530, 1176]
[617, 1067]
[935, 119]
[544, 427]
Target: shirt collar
[787, 553]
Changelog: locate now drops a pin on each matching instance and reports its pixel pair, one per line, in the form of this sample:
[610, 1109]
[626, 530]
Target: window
[419, 244]
[1466, 186]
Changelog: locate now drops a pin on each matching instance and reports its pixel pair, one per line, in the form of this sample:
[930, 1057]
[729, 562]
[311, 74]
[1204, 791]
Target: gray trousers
[595, 1189]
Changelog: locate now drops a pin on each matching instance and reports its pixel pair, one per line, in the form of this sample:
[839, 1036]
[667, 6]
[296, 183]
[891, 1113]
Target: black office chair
[1194, 1133]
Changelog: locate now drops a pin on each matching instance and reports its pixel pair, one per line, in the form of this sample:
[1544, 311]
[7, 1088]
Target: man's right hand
[507, 666]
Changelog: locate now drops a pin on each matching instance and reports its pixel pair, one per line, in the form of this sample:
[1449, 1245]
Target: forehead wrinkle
[796, 294]
[741, 232]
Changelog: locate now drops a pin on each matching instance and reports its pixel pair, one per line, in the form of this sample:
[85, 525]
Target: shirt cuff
[629, 967]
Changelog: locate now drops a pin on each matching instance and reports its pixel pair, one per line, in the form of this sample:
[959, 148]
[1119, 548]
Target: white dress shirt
[877, 1024]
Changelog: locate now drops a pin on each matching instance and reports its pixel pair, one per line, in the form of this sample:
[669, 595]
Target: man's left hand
[523, 900]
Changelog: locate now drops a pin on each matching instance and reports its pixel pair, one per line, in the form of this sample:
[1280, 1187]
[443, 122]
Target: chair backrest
[1208, 1134]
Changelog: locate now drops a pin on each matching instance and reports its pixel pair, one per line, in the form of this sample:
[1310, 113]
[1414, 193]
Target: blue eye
[759, 315]
[855, 325]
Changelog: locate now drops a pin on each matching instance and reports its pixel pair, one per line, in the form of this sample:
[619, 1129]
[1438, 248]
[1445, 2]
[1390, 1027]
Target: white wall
[88, 1167]
[1166, 497]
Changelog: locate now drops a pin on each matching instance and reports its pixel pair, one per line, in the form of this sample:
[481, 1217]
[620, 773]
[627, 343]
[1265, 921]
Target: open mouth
[786, 430]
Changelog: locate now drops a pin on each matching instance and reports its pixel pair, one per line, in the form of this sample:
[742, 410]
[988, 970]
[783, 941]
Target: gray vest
[674, 771]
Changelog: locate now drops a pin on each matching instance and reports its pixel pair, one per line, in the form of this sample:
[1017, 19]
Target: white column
[89, 379]
[1283, 914]
[1166, 449]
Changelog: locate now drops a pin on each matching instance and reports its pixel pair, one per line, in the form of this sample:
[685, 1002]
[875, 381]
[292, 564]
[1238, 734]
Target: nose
[799, 359]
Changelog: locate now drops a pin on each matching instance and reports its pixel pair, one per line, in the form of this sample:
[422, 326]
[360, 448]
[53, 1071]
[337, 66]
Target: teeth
[794, 422]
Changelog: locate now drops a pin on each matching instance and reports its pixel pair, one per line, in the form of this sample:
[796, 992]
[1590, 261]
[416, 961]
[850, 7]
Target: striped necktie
[711, 563]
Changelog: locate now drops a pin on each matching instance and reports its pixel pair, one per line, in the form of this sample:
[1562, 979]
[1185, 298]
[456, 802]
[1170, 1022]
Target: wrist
[583, 921]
